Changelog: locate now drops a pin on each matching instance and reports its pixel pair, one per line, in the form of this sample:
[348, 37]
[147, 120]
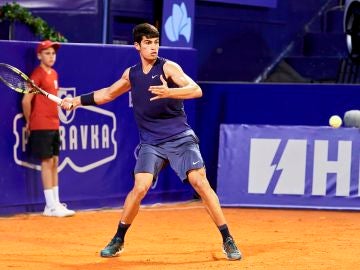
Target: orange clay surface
[182, 236]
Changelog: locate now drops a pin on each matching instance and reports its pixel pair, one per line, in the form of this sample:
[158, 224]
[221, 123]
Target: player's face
[47, 57]
[149, 48]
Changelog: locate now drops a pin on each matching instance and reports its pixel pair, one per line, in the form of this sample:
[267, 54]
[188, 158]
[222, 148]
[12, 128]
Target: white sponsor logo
[84, 146]
[282, 166]
[178, 24]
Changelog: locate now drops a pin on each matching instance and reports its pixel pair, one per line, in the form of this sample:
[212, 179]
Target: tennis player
[42, 124]
[158, 87]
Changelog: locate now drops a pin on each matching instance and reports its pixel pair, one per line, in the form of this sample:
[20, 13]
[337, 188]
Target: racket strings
[15, 80]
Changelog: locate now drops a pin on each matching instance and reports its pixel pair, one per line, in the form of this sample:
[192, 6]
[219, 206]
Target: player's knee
[142, 184]
[140, 191]
[197, 179]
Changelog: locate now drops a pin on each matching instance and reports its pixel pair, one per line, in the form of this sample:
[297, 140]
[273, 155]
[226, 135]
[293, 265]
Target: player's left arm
[187, 88]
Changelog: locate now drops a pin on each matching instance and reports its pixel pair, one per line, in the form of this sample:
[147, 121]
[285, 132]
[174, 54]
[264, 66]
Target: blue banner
[98, 143]
[178, 23]
[289, 166]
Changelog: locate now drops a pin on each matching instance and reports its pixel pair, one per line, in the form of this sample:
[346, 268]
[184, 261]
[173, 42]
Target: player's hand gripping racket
[20, 82]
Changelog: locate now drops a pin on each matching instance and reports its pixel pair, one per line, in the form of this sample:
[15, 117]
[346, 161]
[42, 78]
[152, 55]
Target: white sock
[55, 190]
[49, 198]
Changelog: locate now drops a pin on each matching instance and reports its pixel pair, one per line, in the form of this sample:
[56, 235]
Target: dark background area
[234, 42]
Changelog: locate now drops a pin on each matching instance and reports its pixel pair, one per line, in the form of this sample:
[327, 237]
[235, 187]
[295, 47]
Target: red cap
[43, 45]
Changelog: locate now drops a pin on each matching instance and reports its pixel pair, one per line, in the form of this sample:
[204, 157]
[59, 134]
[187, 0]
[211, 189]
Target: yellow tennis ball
[335, 121]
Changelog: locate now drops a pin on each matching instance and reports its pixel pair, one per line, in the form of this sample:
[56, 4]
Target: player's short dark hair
[144, 30]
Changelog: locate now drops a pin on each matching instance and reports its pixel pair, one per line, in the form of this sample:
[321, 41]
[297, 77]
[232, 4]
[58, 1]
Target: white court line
[161, 207]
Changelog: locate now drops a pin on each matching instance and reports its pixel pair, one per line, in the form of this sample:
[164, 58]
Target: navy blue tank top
[160, 119]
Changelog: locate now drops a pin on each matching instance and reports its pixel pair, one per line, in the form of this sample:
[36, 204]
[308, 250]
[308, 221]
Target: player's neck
[45, 67]
[147, 65]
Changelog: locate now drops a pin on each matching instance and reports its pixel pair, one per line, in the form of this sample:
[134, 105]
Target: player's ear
[38, 56]
[137, 46]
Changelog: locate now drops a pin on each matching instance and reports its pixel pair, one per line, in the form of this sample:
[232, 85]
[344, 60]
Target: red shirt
[44, 112]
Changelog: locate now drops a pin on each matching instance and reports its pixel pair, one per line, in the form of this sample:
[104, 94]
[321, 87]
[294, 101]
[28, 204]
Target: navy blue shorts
[183, 154]
[44, 144]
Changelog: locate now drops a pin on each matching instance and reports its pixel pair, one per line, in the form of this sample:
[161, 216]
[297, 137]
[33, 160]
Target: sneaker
[64, 208]
[115, 247]
[58, 211]
[53, 212]
[231, 250]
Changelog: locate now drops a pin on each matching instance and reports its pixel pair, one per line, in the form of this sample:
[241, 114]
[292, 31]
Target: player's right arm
[26, 107]
[107, 94]
[26, 102]
[118, 88]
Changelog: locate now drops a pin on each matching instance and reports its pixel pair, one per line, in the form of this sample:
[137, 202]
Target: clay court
[182, 236]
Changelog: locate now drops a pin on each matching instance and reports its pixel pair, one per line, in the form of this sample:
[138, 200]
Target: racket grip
[55, 99]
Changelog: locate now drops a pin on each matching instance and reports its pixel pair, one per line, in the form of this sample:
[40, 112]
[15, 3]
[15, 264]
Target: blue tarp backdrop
[289, 166]
[266, 104]
[98, 143]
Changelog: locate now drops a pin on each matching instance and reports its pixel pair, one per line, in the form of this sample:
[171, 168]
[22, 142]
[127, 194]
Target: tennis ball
[335, 121]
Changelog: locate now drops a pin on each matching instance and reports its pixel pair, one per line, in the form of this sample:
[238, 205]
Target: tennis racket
[20, 82]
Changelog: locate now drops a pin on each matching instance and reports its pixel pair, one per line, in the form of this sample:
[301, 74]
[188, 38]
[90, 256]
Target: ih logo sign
[279, 166]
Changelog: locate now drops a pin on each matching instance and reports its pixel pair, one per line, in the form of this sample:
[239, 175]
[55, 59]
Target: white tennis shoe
[60, 210]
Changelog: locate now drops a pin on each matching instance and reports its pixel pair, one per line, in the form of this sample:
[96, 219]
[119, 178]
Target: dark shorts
[44, 143]
[182, 154]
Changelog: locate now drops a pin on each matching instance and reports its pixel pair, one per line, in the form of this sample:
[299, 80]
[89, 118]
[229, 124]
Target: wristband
[87, 99]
